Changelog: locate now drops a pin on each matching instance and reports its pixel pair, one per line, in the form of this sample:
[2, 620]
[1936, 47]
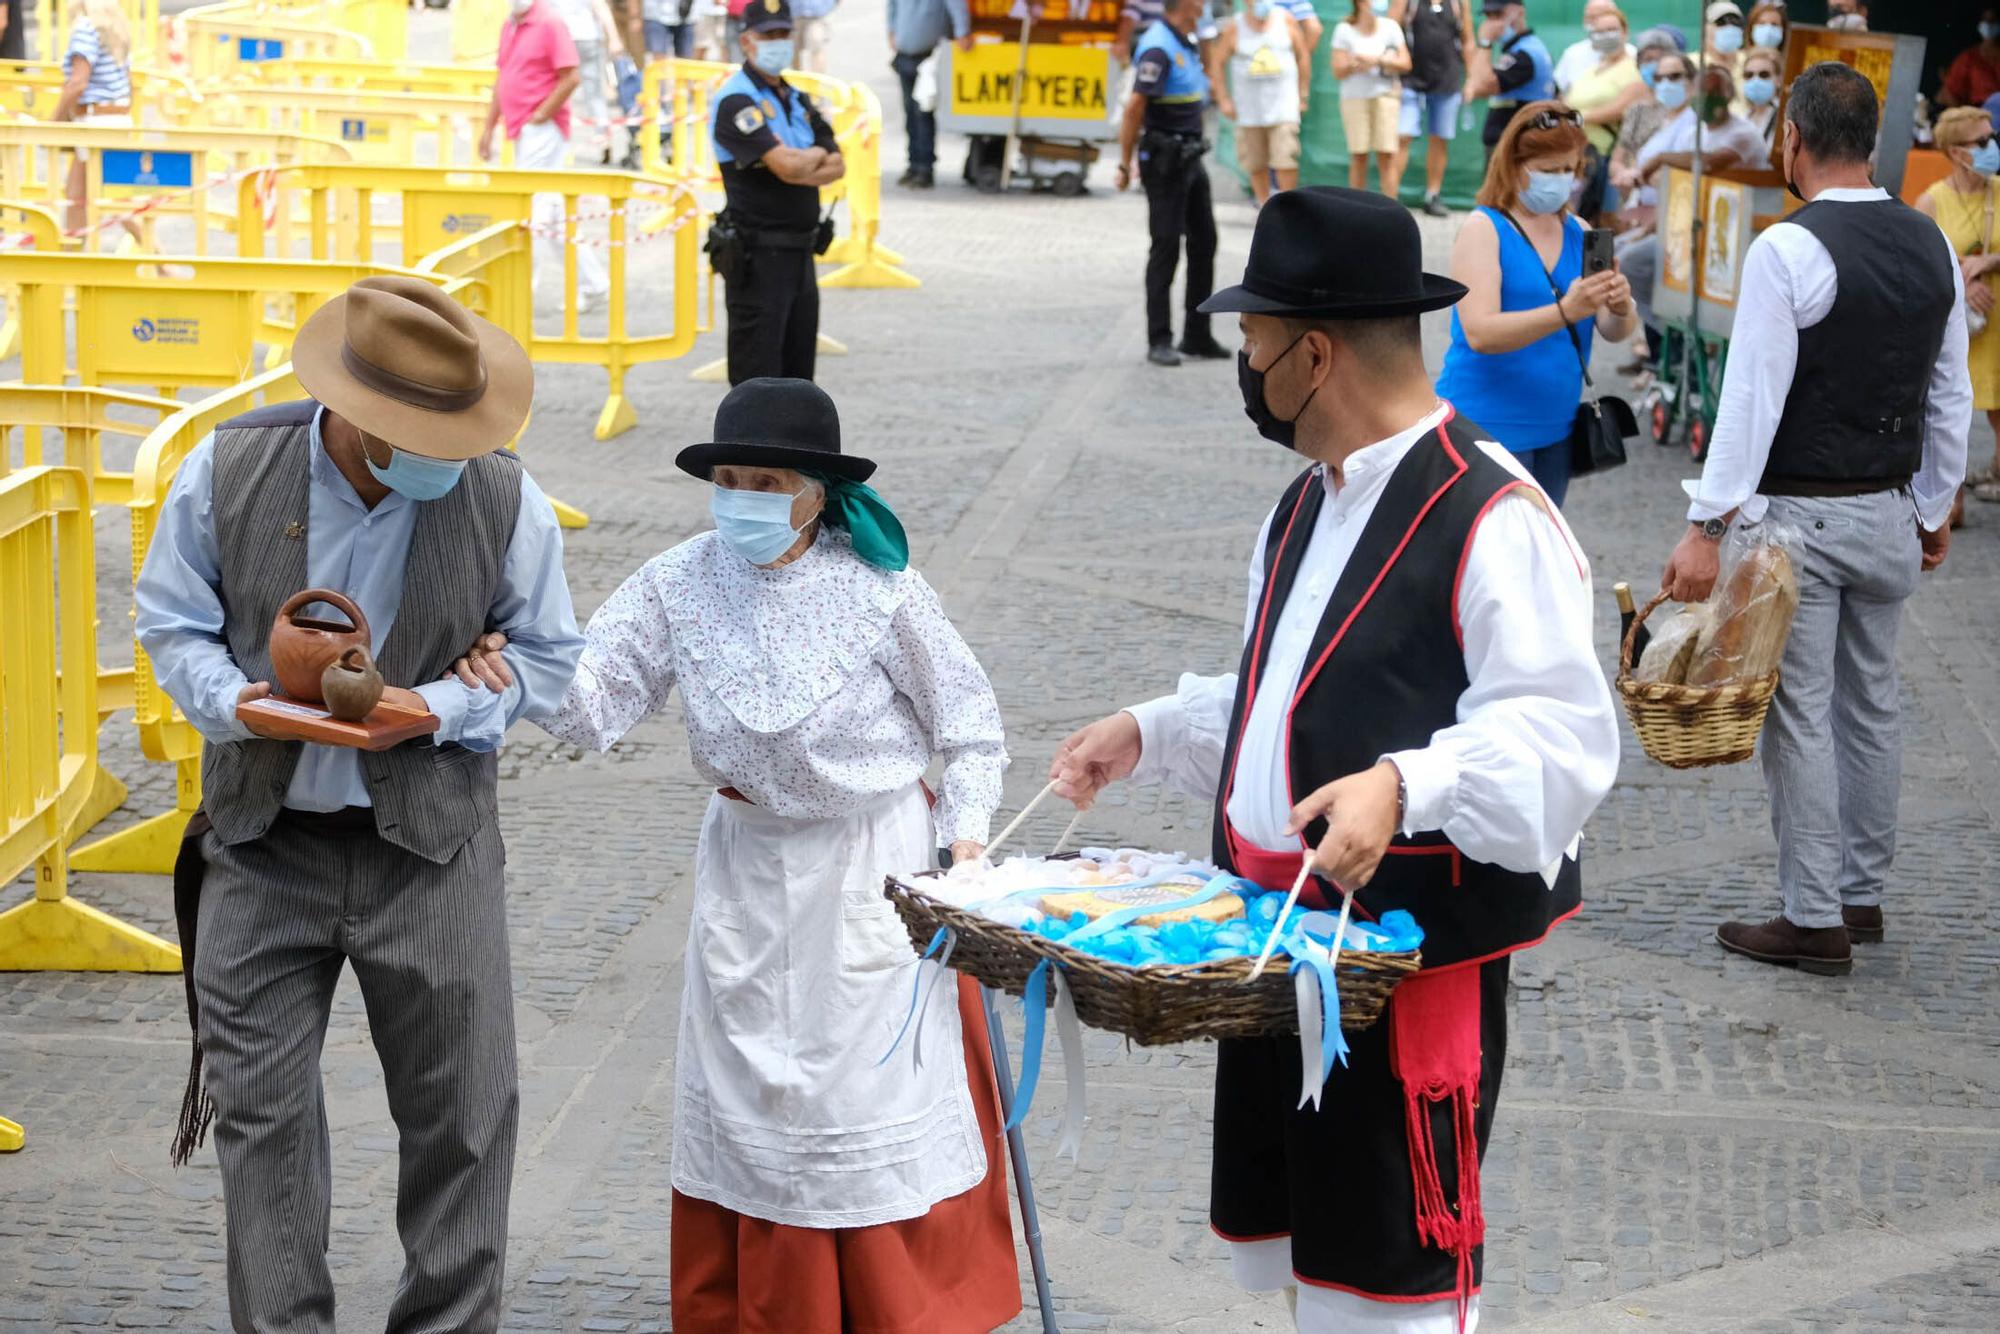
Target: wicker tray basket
[1692, 727]
[1156, 1005]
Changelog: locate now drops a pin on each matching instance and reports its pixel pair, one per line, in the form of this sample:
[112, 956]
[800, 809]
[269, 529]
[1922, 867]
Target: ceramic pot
[303, 647]
[350, 686]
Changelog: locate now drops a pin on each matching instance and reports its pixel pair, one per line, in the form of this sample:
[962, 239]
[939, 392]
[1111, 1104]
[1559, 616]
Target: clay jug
[303, 647]
[350, 686]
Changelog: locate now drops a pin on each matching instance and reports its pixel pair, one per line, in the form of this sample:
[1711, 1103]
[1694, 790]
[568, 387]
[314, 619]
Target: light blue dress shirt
[360, 552]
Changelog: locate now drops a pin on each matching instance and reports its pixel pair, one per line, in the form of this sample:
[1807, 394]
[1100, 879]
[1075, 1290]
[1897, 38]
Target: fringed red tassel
[1434, 1050]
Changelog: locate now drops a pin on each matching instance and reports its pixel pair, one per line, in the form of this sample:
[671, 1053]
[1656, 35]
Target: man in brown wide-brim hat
[390, 485]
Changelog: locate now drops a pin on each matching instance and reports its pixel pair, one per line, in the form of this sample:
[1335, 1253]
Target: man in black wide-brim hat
[1419, 713]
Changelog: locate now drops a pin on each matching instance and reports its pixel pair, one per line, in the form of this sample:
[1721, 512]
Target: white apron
[799, 975]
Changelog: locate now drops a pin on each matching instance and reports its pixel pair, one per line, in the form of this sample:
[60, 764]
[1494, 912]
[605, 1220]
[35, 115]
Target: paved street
[1687, 1142]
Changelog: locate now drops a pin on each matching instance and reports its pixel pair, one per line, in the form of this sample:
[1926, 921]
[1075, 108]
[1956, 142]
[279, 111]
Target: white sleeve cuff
[1430, 788]
[1162, 725]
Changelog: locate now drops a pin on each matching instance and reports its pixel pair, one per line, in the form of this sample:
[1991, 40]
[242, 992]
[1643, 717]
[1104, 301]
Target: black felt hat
[1335, 254]
[774, 423]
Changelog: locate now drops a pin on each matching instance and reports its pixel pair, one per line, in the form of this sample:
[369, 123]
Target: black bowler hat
[761, 14]
[774, 423]
[1335, 254]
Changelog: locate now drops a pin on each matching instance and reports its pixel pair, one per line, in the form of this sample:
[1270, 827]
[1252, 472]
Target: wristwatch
[1712, 529]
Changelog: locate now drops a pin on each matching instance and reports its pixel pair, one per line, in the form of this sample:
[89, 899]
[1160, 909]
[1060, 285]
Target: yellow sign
[1063, 82]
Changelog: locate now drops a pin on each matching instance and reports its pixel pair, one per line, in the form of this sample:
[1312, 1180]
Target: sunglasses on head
[1551, 120]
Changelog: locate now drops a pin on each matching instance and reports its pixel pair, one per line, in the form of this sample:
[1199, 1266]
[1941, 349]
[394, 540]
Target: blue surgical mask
[1729, 40]
[1758, 90]
[756, 525]
[1768, 35]
[1989, 31]
[1379, 6]
[773, 55]
[1261, 10]
[1547, 191]
[1673, 96]
[1647, 73]
[416, 476]
[1986, 158]
[1507, 34]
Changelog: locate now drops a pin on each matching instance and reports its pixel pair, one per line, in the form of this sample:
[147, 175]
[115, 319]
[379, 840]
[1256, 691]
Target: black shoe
[921, 180]
[1205, 349]
[1435, 207]
[1163, 354]
[907, 177]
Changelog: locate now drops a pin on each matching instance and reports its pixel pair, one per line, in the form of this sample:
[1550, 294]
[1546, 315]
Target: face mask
[1546, 191]
[1768, 35]
[1728, 40]
[1647, 73]
[1379, 6]
[1261, 10]
[1607, 40]
[1269, 425]
[1673, 96]
[1989, 31]
[521, 7]
[1986, 158]
[773, 55]
[1759, 89]
[1847, 23]
[756, 525]
[1713, 109]
[415, 476]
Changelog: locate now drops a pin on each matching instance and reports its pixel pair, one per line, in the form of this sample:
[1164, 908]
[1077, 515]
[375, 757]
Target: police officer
[775, 151]
[1163, 126]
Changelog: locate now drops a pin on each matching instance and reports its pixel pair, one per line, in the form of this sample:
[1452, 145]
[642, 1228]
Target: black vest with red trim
[1384, 674]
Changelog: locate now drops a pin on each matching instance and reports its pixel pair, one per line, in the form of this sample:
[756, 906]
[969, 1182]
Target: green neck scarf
[868, 521]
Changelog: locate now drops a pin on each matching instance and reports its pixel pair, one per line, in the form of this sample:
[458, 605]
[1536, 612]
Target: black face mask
[1269, 425]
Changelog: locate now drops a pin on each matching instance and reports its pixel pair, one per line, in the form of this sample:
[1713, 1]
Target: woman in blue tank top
[1512, 368]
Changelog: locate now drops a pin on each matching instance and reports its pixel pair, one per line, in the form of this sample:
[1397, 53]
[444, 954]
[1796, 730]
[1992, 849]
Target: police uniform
[1167, 72]
[773, 296]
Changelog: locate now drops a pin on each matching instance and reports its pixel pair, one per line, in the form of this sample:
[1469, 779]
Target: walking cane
[1017, 1150]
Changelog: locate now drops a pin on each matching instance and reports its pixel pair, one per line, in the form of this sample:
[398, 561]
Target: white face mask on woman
[756, 525]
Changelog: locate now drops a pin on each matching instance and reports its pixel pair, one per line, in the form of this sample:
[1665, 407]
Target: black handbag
[1603, 421]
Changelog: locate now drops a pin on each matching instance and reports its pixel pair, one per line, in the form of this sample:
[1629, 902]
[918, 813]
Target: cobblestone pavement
[1688, 1142]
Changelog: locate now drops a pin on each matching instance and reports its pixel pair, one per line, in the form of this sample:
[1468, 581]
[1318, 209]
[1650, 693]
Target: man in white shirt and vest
[1844, 414]
[1420, 713]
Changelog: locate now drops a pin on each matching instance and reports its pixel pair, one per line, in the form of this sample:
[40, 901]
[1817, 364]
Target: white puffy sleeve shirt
[811, 689]
[1535, 745]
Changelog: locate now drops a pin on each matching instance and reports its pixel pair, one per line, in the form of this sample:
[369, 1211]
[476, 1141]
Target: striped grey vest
[428, 799]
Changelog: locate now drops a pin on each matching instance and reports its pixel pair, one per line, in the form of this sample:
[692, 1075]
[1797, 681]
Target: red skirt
[951, 1271]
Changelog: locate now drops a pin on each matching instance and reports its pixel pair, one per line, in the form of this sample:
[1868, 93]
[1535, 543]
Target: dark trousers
[921, 124]
[773, 310]
[1550, 466]
[280, 917]
[1178, 204]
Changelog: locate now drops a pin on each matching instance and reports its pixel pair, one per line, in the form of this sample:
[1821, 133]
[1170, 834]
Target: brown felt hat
[410, 366]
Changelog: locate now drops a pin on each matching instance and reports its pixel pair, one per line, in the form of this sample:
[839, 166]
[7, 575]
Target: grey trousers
[279, 917]
[1832, 748]
[1639, 261]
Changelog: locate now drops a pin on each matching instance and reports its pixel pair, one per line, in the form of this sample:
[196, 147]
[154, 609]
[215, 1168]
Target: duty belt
[1831, 487]
[778, 240]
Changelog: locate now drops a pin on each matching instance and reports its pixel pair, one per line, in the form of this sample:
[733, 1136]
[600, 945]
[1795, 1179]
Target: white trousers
[1266, 1266]
[543, 147]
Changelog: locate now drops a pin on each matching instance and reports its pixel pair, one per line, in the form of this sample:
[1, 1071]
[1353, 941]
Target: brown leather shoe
[1822, 950]
[1864, 925]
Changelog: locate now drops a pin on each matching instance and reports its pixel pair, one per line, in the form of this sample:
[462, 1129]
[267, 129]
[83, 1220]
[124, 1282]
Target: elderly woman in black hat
[813, 1189]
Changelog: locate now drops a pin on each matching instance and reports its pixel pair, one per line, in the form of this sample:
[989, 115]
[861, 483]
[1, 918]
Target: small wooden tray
[387, 726]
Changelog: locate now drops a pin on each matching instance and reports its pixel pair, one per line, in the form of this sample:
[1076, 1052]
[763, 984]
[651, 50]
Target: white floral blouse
[812, 689]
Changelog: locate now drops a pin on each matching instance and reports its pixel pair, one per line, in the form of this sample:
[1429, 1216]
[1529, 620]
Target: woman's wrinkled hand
[482, 664]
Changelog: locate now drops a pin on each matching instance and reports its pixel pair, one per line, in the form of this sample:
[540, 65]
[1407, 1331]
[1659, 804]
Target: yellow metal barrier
[23, 227]
[12, 1137]
[385, 24]
[223, 38]
[864, 261]
[392, 128]
[32, 88]
[440, 208]
[404, 77]
[475, 31]
[47, 557]
[142, 17]
[146, 173]
[134, 326]
[164, 735]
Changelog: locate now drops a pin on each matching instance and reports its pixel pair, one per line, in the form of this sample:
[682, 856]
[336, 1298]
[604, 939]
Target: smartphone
[1598, 246]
